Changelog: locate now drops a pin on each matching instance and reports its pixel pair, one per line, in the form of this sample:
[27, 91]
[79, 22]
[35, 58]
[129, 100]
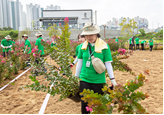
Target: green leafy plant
[127, 28]
[9, 70]
[125, 98]
[142, 31]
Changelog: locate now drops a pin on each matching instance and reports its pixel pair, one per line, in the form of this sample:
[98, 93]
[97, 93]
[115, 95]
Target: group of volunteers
[143, 42]
[7, 44]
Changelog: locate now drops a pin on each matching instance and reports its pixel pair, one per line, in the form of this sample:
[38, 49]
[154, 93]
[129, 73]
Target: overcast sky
[107, 9]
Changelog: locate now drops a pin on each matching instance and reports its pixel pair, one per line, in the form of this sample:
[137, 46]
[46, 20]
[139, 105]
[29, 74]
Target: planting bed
[154, 88]
[15, 101]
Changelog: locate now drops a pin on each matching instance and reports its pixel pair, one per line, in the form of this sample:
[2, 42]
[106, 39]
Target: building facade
[77, 18]
[33, 14]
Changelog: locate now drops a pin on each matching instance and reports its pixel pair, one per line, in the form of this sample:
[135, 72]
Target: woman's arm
[110, 72]
[25, 49]
[75, 61]
[3, 46]
[78, 67]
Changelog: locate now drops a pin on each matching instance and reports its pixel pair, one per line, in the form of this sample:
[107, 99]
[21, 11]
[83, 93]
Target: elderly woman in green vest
[27, 45]
[6, 44]
[89, 76]
[81, 39]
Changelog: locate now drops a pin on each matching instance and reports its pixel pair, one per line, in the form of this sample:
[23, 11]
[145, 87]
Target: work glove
[114, 82]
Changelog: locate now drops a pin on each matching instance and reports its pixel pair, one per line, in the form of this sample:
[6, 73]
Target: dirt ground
[14, 101]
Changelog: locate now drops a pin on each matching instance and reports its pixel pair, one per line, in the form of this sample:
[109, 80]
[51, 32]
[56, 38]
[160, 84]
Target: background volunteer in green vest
[132, 44]
[6, 44]
[130, 41]
[39, 46]
[27, 45]
[117, 41]
[151, 44]
[137, 43]
[143, 44]
[81, 40]
[53, 42]
[89, 78]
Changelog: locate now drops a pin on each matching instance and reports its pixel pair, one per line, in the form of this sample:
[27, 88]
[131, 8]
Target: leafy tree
[5, 28]
[127, 28]
[53, 30]
[9, 28]
[142, 31]
[33, 25]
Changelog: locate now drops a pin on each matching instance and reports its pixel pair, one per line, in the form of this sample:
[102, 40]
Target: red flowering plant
[113, 45]
[124, 98]
[2, 66]
[121, 51]
[15, 56]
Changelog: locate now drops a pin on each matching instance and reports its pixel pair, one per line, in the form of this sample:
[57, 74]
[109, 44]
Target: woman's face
[81, 39]
[91, 38]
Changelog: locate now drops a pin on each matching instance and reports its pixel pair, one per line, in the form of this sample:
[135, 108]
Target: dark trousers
[137, 46]
[142, 46]
[4, 54]
[132, 45]
[151, 47]
[95, 87]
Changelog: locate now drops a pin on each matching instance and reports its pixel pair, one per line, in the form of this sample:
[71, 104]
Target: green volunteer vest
[151, 42]
[40, 46]
[88, 74]
[27, 43]
[6, 43]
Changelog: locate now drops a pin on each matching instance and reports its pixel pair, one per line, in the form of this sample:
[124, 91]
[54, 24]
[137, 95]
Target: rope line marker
[16, 77]
[44, 105]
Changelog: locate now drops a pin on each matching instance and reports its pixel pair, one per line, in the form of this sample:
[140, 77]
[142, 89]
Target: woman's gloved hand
[114, 82]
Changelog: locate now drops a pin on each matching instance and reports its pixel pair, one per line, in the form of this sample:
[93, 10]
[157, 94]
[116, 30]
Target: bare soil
[15, 101]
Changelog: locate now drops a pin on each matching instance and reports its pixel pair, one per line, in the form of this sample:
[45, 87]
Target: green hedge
[158, 35]
[12, 33]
